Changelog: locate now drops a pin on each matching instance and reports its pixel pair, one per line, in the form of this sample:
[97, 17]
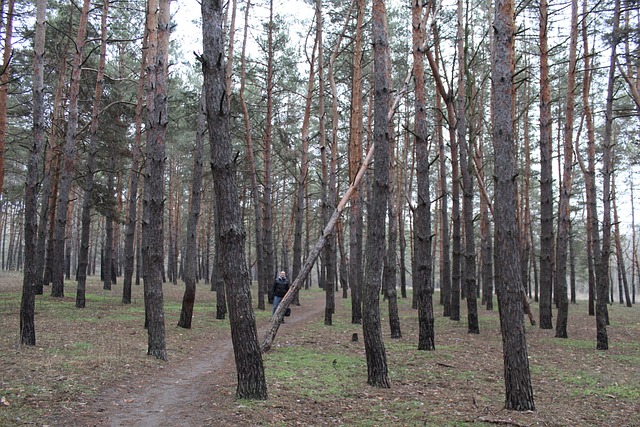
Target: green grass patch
[318, 376]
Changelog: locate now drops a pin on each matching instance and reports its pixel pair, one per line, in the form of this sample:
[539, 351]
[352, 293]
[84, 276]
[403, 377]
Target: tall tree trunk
[356, 225]
[518, 389]
[445, 262]
[454, 289]
[92, 152]
[332, 194]
[486, 247]
[422, 220]
[153, 202]
[374, 345]
[300, 206]
[402, 190]
[248, 358]
[268, 246]
[48, 180]
[546, 177]
[602, 269]
[389, 277]
[314, 253]
[30, 278]
[327, 272]
[255, 189]
[134, 181]
[67, 170]
[332, 188]
[188, 299]
[593, 239]
[4, 87]
[466, 167]
[564, 224]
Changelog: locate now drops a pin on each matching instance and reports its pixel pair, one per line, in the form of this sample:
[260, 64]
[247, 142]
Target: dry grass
[82, 354]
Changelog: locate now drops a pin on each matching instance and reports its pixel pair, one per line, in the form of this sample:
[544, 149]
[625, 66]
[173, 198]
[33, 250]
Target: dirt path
[196, 392]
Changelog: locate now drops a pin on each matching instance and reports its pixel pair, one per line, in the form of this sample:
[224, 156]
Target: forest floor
[89, 368]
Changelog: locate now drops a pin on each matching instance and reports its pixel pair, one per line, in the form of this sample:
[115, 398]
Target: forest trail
[189, 391]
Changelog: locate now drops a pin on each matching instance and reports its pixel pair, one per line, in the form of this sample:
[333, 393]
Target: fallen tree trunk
[313, 256]
[317, 248]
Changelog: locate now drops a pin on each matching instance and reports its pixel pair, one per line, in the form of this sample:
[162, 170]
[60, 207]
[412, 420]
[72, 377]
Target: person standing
[280, 289]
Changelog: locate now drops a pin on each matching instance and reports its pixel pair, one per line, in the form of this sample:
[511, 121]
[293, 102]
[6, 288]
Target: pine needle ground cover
[89, 367]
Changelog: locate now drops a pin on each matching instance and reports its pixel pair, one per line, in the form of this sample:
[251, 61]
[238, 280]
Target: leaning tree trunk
[314, 253]
[30, 279]
[190, 260]
[92, 151]
[518, 389]
[251, 380]
[67, 170]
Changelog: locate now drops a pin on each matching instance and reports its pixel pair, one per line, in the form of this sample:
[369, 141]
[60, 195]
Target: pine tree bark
[301, 185]
[518, 389]
[67, 170]
[546, 177]
[31, 279]
[332, 185]
[248, 358]
[564, 224]
[356, 225]
[602, 269]
[270, 269]
[4, 86]
[422, 213]
[188, 299]
[153, 202]
[390, 271]
[593, 238]
[134, 183]
[377, 372]
[466, 167]
[83, 260]
[255, 189]
[452, 294]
